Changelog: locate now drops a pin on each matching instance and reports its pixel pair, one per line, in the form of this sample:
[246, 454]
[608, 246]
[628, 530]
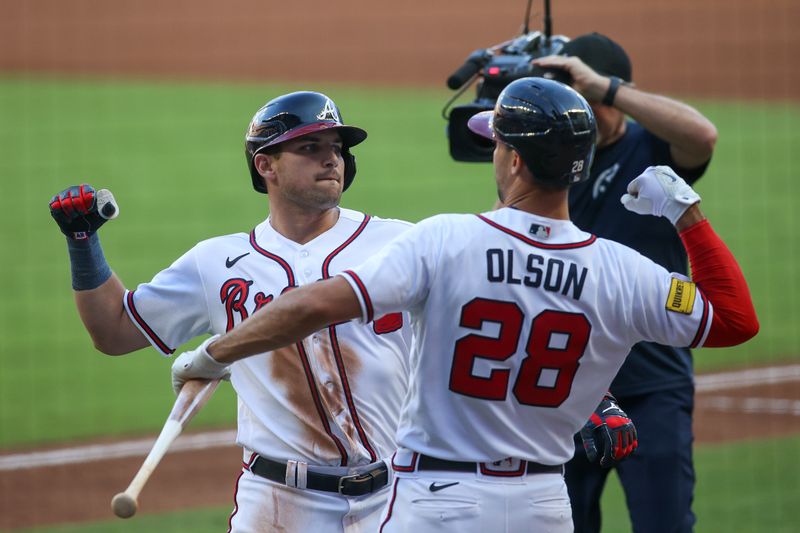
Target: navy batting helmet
[295, 114]
[548, 123]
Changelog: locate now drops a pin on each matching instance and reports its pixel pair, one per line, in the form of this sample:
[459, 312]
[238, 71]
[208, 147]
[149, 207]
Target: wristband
[608, 99]
[87, 263]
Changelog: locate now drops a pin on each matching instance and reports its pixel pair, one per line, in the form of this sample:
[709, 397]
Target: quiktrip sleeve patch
[680, 298]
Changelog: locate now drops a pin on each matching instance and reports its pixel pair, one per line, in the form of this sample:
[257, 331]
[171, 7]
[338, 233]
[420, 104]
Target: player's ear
[517, 164]
[265, 165]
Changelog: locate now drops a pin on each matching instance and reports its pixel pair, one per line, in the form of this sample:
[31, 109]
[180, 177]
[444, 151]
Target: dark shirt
[595, 207]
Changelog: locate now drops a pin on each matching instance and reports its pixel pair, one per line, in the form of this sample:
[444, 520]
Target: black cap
[550, 73]
[601, 53]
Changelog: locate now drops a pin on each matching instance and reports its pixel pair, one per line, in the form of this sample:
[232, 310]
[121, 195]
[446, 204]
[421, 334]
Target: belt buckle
[352, 477]
[363, 483]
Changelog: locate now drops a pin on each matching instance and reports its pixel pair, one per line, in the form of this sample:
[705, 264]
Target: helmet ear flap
[349, 168]
[258, 180]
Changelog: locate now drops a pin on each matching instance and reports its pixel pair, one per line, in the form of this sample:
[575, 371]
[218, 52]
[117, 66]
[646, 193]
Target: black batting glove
[80, 210]
[609, 436]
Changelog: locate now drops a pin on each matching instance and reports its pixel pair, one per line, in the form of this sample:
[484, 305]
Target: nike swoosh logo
[230, 262]
[434, 487]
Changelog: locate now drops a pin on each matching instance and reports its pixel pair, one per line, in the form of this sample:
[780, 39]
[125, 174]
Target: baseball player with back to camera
[517, 329]
[315, 419]
[656, 384]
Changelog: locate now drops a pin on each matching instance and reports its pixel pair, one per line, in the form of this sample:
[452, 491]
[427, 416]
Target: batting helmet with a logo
[292, 115]
[548, 123]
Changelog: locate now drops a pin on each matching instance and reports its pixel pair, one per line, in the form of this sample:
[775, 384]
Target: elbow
[696, 149]
[743, 334]
[330, 302]
[108, 349]
[750, 330]
[747, 326]
[707, 138]
[108, 346]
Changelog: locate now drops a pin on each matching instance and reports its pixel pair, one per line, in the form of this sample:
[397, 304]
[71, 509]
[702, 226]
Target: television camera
[494, 68]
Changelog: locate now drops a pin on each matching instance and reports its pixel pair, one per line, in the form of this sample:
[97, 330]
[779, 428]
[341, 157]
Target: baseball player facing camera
[521, 321]
[316, 419]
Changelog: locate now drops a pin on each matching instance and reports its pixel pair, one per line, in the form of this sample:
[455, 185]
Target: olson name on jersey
[550, 274]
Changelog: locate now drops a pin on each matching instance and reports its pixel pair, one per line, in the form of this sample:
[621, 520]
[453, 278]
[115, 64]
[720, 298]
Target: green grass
[173, 155]
[743, 487]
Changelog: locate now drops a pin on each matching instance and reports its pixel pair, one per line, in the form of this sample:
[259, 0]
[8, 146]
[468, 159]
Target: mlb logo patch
[539, 231]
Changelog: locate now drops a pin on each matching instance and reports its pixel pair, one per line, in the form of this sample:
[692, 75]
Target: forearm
[659, 191]
[80, 211]
[691, 136]
[104, 317]
[718, 275]
[292, 317]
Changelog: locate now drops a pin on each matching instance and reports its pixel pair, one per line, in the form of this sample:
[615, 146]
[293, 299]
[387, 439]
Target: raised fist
[80, 210]
[609, 435]
[659, 191]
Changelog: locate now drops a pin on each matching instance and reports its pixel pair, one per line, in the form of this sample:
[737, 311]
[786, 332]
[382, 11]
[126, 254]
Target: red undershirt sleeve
[717, 274]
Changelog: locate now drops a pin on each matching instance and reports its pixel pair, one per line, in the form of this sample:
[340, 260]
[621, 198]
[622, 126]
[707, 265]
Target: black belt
[431, 463]
[352, 485]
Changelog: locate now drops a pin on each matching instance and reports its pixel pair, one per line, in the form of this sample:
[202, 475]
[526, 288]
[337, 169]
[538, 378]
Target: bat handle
[169, 433]
[193, 396]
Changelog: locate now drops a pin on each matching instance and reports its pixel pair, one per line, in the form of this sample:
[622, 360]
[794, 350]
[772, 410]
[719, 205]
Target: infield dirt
[713, 48]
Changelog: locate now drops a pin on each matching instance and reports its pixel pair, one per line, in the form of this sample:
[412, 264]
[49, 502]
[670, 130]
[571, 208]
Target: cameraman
[655, 385]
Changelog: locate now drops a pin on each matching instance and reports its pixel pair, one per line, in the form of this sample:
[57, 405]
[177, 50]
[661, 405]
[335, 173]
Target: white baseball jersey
[331, 400]
[520, 323]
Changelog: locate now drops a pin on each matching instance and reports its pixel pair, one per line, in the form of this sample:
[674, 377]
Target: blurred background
[151, 99]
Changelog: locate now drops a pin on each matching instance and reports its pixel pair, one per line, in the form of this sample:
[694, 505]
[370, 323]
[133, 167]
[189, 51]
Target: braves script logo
[233, 295]
[329, 112]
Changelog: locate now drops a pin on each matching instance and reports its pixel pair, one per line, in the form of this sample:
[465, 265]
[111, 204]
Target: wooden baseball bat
[193, 396]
